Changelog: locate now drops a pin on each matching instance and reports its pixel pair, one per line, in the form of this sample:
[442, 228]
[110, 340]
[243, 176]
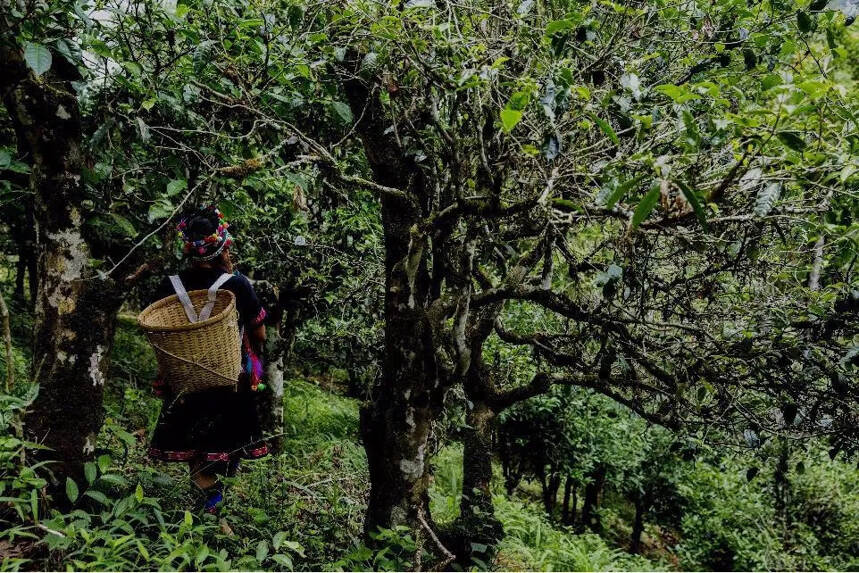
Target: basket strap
[213, 292]
[183, 298]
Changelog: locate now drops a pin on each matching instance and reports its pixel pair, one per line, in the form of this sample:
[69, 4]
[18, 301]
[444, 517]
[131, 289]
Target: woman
[213, 429]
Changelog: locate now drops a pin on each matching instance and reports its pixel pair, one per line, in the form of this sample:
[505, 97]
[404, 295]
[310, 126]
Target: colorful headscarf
[210, 246]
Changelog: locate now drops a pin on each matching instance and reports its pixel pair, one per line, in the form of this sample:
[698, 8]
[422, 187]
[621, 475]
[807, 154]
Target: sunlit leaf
[510, 118]
[38, 58]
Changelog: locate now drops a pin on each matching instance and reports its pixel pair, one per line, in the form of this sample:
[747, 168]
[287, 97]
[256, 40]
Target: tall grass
[532, 542]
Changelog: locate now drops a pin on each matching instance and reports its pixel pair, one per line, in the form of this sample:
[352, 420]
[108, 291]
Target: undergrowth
[303, 508]
[531, 542]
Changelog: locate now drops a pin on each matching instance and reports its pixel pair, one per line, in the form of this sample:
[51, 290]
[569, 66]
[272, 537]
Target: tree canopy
[533, 218]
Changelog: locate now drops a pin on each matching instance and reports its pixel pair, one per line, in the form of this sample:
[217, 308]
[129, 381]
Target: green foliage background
[228, 102]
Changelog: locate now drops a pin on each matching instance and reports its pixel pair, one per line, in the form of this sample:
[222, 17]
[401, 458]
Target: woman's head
[204, 235]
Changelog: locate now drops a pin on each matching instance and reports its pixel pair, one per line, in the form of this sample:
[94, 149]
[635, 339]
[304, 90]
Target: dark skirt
[214, 425]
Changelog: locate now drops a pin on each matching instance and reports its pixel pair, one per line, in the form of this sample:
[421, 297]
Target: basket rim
[192, 325]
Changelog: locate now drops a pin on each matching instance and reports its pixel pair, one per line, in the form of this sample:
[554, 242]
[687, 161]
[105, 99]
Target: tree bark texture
[397, 420]
[7, 343]
[477, 524]
[75, 311]
[273, 403]
[282, 325]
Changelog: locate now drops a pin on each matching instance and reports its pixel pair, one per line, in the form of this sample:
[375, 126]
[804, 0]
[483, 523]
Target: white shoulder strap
[183, 298]
[213, 292]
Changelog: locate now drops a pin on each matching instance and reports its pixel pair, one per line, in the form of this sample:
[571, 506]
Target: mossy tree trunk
[396, 423]
[477, 526]
[75, 309]
[282, 322]
[477, 530]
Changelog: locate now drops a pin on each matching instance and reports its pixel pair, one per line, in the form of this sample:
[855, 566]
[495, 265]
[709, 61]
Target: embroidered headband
[210, 246]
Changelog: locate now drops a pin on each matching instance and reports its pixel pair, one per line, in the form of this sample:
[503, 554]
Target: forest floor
[315, 490]
[303, 508]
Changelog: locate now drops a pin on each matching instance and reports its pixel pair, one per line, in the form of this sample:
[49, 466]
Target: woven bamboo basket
[194, 356]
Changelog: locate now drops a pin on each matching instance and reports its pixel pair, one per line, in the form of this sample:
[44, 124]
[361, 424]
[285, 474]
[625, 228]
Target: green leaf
[34, 504]
[98, 496]
[125, 225]
[70, 50]
[771, 81]
[646, 206]
[133, 68]
[90, 471]
[202, 554]
[343, 111]
[126, 437]
[767, 198]
[556, 26]
[189, 521]
[103, 462]
[251, 23]
[283, 560]
[114, 479]
[161, 209]
[695, 201]
[149, 103]
[678, 94]
[565, 205]
[606, 127]
[203, 55]
[509, 119]
[295, 546]
[143, 551]
[278, 539]
[792, 139]
[621, 190]
[815, 88]
[38, 57]
[176, 186]
[519, 100]
[262, 551]
[71, 490]
[138, 493]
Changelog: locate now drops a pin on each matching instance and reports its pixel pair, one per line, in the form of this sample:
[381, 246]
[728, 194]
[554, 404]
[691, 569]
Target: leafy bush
[532, 542]
[731, 521]
[391, 550]
[123, 517]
